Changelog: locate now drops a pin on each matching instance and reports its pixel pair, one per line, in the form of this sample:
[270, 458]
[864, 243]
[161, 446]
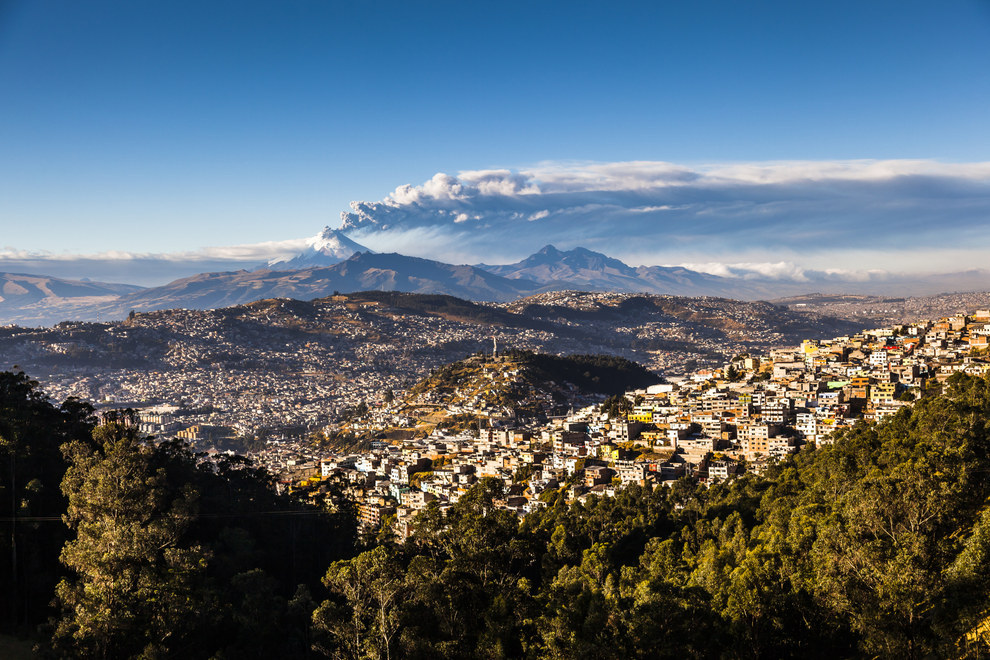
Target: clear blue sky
[169, 125]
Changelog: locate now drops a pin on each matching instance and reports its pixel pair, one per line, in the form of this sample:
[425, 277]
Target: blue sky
[164, 127]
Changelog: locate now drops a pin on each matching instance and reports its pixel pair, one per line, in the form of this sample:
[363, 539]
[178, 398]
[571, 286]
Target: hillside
[874, 546]
[580, 374]
[888, 310]
[662, 324]
[448, 307]
[39, 299]
[361, 272]
[300, 364]
[523, 384]
[577, 268]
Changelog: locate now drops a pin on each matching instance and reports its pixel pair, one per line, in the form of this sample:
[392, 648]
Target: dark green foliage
[457, 589]
[590, 374]
[31, 503]
[137, 587]
[167, 554]
[616, 406]
[875, 546]
[175, 556]
[599, 374]
[473, 582]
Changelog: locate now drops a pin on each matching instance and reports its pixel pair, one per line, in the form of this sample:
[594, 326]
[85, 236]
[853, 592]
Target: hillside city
[710, 425]
[328, 390]
[284, 368]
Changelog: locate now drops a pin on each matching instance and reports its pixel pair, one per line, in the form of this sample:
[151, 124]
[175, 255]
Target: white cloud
[252, 253]
[803, 221]
[147, 268]
[785, 271]
[781, 270]
[729, 213]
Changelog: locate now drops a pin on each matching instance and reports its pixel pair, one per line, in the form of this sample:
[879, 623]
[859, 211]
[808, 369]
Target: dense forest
[875, 546]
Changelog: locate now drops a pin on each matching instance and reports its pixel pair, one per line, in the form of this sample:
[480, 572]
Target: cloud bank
[827, 215]
[832, 222]
[147, 268]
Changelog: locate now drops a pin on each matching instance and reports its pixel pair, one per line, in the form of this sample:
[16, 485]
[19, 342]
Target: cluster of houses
[265, 369]
[710, 425]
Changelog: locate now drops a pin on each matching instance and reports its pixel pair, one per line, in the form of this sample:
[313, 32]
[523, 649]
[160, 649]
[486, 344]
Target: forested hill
[587, 374]
[524, 383]
[875, 546]
[600, 374]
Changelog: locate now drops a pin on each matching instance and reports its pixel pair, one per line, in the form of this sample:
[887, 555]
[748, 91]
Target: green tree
[134, 586]
[364, 620]
[31, 469]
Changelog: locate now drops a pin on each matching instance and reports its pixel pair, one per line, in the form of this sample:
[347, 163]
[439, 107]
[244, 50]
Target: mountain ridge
[581, 268]
[363, 271]
[37, 298]
[27, 299]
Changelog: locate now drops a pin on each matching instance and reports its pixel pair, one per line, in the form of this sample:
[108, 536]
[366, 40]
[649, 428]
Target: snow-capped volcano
[327, 248]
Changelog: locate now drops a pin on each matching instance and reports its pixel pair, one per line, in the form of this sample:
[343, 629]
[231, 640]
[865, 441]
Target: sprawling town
[286, 368]
[710, 425]
[346, 375]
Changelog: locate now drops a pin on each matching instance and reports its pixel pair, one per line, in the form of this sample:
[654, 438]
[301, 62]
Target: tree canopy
[877, 544]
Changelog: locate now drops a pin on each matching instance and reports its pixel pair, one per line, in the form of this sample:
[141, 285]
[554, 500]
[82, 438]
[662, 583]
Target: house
[722, 470]
[598, 474]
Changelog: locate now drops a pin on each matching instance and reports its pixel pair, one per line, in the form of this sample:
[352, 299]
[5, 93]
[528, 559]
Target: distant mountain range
[41, 300]
[364, 271]
[333, 262]
[592, 271]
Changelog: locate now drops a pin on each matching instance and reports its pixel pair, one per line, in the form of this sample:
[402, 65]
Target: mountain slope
[396, 272]
[577, 266]
[328, 248]
[362, 272]
[524, 381]
[584, 269]
[43, 300]
[681, 281]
